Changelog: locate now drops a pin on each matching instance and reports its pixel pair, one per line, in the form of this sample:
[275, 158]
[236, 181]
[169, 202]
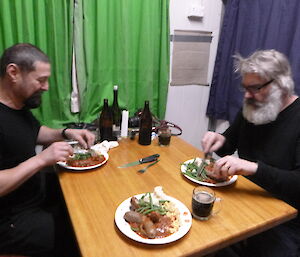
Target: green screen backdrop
[116, 42]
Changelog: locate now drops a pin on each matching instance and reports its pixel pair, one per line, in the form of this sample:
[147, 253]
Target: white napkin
[104, 146]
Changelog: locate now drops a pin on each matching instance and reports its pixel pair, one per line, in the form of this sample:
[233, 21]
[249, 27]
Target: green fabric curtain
[125, 43]
[47, 24]
[117, 42]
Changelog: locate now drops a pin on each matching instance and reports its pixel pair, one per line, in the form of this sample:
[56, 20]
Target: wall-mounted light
[196, 11]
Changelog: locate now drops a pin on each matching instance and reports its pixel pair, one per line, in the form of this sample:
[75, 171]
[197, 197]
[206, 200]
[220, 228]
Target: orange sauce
[90, 161]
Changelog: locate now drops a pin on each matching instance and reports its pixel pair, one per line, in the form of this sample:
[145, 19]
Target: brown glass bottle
[145, 126]
[105, 122]
[117, 114]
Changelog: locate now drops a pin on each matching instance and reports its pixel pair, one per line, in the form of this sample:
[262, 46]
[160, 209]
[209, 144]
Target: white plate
[185, 219]
[64, 165]
[225, 183]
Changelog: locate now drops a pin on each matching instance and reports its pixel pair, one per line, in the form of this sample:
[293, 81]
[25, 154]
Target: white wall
[186, 105]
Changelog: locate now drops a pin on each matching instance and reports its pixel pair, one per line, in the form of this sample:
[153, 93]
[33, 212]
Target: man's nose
[45, 86]
[248, 95]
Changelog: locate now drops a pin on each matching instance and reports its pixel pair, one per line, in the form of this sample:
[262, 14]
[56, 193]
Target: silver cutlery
[148, 166]
[150, 158]
[208, 156]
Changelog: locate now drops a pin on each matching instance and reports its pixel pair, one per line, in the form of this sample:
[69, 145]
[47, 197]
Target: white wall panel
[186, 105]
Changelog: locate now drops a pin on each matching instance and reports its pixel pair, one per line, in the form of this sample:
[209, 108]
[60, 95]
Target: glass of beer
[164, 136]
[203, 201]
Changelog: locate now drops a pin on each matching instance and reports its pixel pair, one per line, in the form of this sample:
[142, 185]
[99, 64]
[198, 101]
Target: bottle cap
[115, 87]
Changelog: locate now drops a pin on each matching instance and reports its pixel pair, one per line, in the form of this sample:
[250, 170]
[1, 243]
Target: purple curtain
[250, 25]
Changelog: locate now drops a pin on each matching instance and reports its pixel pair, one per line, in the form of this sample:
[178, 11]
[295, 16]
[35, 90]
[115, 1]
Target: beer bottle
[116, 112]
[105, 122]
[145, 126]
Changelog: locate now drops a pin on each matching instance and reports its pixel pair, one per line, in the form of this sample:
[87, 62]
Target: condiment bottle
[145, 130]
[116, 112]
[105, 122]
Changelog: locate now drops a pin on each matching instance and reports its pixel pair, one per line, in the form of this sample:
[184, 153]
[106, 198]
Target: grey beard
[263, 113]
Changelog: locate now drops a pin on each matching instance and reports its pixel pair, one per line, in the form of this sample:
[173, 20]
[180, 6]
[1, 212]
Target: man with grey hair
[262, 64]
[266, 135]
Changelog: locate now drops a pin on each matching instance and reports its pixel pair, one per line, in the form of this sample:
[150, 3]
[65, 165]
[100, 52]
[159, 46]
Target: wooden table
[93, 197]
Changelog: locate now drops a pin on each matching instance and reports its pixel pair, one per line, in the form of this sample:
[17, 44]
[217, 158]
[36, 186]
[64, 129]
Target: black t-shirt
[18, 135]
[276, 149]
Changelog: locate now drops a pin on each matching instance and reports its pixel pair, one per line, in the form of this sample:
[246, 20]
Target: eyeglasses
[255, 88]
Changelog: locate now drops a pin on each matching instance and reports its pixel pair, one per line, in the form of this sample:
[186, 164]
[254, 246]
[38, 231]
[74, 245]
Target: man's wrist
[63, 133]
[253, 169]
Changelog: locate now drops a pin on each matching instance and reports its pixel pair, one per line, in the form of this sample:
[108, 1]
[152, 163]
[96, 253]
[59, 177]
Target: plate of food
[83, 160]
[196, 171]
[153, 218]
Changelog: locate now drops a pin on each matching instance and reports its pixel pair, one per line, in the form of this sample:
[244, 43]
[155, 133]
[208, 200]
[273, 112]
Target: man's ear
[13, 71]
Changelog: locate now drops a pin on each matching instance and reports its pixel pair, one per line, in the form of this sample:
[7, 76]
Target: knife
[150, 158]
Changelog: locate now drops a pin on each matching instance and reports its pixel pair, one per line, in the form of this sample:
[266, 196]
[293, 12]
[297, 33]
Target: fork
[208, 156]
[148, 166]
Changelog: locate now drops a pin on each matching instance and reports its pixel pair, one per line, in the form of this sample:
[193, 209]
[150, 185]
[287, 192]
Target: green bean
[148, 211]
[200, 173]
[135, 229]
[163, 201]
[141, 209]
[151, 202]
[201, 169]
[81, 156]
[147, 207]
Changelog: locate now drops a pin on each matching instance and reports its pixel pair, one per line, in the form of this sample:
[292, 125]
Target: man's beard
[260, 113]
[34, 101]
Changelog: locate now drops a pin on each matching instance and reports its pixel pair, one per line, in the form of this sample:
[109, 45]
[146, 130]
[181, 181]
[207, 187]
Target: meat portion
[133, 216]
[163, 226]
[85, 162]
[210, 175]
[134, 203]
[150, 225]
[154, 216]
